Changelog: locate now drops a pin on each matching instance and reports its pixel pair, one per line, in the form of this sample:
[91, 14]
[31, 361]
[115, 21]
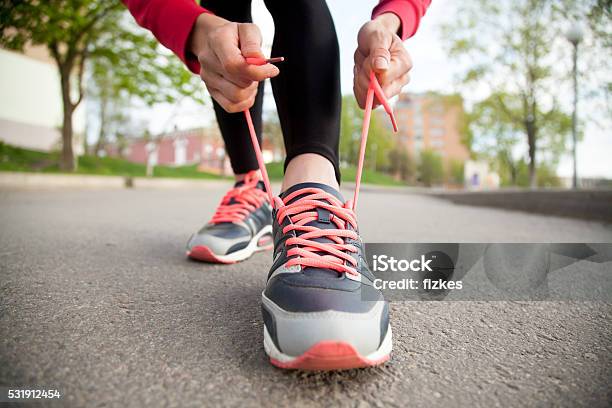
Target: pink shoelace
[333, 255]
[240, 201]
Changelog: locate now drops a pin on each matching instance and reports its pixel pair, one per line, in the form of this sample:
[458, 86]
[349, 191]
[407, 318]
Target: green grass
[369, 177]
[18, 159]
[275, 172]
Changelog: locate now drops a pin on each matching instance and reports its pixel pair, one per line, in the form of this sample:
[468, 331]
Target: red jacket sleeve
[408, 11]
[170, 21]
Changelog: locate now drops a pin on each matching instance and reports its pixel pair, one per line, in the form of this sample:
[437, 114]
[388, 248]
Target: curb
[49, 181]
[37, 181]
[592, 204]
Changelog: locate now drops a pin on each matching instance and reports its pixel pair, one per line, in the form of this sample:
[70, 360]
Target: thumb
[380, 57]
[250, 40]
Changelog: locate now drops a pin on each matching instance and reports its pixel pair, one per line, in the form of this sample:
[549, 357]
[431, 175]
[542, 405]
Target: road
[97, 299]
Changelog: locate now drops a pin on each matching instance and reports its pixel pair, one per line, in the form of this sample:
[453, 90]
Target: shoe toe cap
[299, 316]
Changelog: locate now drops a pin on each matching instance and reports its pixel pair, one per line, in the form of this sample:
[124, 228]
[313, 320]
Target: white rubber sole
[328, 355]
[204, 254]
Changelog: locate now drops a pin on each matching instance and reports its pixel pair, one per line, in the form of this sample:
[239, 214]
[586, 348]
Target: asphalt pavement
[98, 300]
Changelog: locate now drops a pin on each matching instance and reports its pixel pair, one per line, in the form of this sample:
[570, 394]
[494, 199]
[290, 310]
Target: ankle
[309, 168]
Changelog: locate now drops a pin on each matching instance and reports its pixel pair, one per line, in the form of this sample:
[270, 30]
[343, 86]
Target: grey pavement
[97, 299]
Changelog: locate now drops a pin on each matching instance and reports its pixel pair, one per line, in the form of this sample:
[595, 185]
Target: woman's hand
[381, 50]
[221, 48]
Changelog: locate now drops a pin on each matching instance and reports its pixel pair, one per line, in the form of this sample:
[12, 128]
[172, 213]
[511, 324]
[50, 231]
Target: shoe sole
[205, 254]
[328, 355]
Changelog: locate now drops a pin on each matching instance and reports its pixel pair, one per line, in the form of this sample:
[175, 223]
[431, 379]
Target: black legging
[307, 91]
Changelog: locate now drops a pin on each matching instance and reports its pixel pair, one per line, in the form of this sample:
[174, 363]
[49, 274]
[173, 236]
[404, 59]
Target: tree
[273, 132]
[401, 164]
[512, 47]
[456, 174]
[493, 120]
[380, 137]
[80, 32]
[431, 168]
[546, 175]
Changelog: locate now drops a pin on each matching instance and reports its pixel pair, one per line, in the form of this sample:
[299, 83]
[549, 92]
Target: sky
[431, 72]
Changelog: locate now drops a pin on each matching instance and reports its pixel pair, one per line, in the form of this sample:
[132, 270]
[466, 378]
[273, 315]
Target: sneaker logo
[383, 263]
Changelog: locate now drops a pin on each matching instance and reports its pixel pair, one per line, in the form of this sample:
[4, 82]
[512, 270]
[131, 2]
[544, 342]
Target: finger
[380, 59]
[378, 51]
[214, 67]
[250, 40]
[400, 65]
[215, 78]
[229, 56]
[229, 106]
[232, 92]
[363, 80]
[359, 96]
[235, 68]
[259, 72]
[395, 87]
[358, 57]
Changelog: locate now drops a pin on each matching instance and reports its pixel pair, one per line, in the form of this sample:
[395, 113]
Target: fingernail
[381, 63]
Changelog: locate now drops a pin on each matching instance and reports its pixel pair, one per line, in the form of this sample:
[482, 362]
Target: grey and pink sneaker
[320, 308]
[240, 227]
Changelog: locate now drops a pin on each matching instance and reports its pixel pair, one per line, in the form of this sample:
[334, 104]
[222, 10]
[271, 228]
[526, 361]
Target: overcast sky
[432, 71]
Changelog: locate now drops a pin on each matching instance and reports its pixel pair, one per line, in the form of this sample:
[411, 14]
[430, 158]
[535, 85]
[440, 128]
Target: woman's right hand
[221, 48]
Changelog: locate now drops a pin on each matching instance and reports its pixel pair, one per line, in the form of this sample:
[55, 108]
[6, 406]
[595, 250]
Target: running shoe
[320, 308]
[240, 227]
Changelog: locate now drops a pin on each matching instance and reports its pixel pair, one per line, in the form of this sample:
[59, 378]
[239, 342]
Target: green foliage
[401, 164]
[455, 172]
[18, 159]
[431, 168]
[369, 177]
[129, 62]
[273, 132]
[546, 176]
[455, 101]
[512, 48]
[499, 133]
[380, 137]
[275, 172]
[350, 130]
[125, 61]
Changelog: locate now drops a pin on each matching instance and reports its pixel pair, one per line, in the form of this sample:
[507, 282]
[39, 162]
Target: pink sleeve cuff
[176, 35]
[408, 11]
[171, 21]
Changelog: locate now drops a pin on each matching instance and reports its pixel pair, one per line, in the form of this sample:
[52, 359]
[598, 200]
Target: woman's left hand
[381, 50]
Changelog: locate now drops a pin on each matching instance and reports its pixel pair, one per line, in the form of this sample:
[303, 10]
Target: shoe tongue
[260, 185]
[323, 221]
[324, 187]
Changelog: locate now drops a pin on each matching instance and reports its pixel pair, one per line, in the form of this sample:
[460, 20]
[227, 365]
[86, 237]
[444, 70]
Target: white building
[477, 176]
[31, 102]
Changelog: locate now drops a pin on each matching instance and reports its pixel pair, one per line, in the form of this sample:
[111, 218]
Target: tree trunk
[102, 134]
[67, 162]
[531, 138]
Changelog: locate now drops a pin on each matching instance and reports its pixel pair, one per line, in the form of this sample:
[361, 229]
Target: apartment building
[431, 121]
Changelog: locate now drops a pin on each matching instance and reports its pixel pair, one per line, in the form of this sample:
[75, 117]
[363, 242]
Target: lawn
[24, 160]
[17, 159]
